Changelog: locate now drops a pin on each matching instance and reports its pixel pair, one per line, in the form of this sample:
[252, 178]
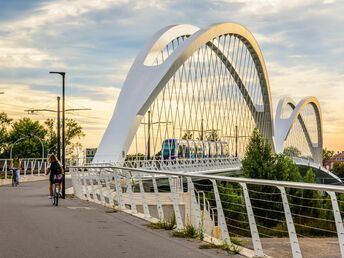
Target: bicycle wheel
[56, 195]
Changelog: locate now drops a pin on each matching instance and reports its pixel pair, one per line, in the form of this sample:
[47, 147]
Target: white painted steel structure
[204, 202]
[228, 50]
[188, 82]
[285, 124]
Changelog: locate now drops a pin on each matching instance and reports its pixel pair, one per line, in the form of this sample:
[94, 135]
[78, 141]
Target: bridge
[172, 152]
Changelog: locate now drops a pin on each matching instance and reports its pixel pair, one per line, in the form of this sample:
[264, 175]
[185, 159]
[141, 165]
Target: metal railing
[251, 210]
[31, 166]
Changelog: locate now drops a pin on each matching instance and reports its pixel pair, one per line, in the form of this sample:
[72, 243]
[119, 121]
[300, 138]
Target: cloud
[95, 42]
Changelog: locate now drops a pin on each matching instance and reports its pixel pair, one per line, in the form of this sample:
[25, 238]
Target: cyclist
[16, 165]
[54, 169]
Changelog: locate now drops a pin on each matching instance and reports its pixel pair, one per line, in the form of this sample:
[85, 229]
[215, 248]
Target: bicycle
[55, 197]
[14, 178]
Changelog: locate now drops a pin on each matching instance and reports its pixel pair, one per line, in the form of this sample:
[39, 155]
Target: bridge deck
[31, 227]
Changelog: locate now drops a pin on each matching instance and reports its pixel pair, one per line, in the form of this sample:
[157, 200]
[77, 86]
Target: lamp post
[58, 130]
[63, 74]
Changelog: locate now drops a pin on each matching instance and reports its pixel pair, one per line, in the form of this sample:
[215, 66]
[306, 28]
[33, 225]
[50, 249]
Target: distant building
[90, 152]
[338, 157]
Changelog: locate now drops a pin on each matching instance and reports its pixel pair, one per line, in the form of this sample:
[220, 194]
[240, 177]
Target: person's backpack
[55, 168]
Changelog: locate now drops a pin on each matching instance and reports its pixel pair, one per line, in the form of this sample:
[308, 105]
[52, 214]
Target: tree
[213, 136]
[5, 122]
[338, 169]
[74, 132]
[260, 163]
[292, 151]
[187, 135]
[327, 155]
[29, 146]
[52, 136]
[285, 169]
[259, 160]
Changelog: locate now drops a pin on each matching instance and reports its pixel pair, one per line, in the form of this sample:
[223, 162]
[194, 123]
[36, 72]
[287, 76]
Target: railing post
[39, 166]
[131, 196]
[175, 200]
[338, 221]
[5, 167]
[91, 173]
[26, 164]
[78, 188]
[144, 200]
[108, 179]
[33, 164]
[87, 190]
[157, 196]
[118, 192]
[294, 242]
[257, 245]
[195, 211]
[221, 216]
[99, 175]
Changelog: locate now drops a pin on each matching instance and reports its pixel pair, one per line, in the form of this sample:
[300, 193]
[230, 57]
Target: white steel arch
[144, 82]
[284, 125]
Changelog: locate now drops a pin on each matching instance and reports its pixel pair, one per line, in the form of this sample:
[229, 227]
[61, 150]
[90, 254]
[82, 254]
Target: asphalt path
[31, 227]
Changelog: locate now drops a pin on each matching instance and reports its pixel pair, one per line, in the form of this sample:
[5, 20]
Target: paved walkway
[31, 227]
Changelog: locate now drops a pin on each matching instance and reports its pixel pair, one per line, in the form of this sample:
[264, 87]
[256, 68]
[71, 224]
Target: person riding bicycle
[15, 166]
[54, 169]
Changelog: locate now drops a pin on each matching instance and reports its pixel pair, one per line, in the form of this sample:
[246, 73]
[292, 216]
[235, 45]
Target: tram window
[199, 149]
[169, 148]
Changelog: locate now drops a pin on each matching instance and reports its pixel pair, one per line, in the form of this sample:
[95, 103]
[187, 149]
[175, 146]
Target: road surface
[31, 227]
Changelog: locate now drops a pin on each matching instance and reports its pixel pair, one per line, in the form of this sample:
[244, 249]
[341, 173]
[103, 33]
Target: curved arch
[144, 83]
[284, 125]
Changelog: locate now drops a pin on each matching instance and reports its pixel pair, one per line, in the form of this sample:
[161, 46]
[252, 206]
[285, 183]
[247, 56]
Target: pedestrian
[15, 166]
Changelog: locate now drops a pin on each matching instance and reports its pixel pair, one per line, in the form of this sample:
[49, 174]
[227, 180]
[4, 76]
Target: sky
[96, 41]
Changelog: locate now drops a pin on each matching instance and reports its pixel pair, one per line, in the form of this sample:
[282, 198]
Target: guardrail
[29, 166]
[32, 166]
[223, 207]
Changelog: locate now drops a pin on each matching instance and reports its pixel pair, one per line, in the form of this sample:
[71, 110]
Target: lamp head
[61, 73]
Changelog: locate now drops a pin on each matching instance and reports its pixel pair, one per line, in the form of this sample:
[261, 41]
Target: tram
[193, 149]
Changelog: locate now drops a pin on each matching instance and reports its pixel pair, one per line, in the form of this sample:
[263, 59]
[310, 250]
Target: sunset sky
[96, 41]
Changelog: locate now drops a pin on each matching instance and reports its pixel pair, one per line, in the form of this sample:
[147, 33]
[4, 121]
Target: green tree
[5, 123]
[28, 130]
[52, 136]
[285, 169]
[260, 163]
[187, 135]
[292, 151]
[213, 136]
[338, 169]
[327, 155]
[259, 160]
[308, 208]
[74, 132]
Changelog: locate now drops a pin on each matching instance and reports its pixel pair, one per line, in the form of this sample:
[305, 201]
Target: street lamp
[63, 131]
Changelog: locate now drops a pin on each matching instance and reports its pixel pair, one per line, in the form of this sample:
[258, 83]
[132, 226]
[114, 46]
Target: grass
[167, 224]
[229, 248]
[188, 232]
